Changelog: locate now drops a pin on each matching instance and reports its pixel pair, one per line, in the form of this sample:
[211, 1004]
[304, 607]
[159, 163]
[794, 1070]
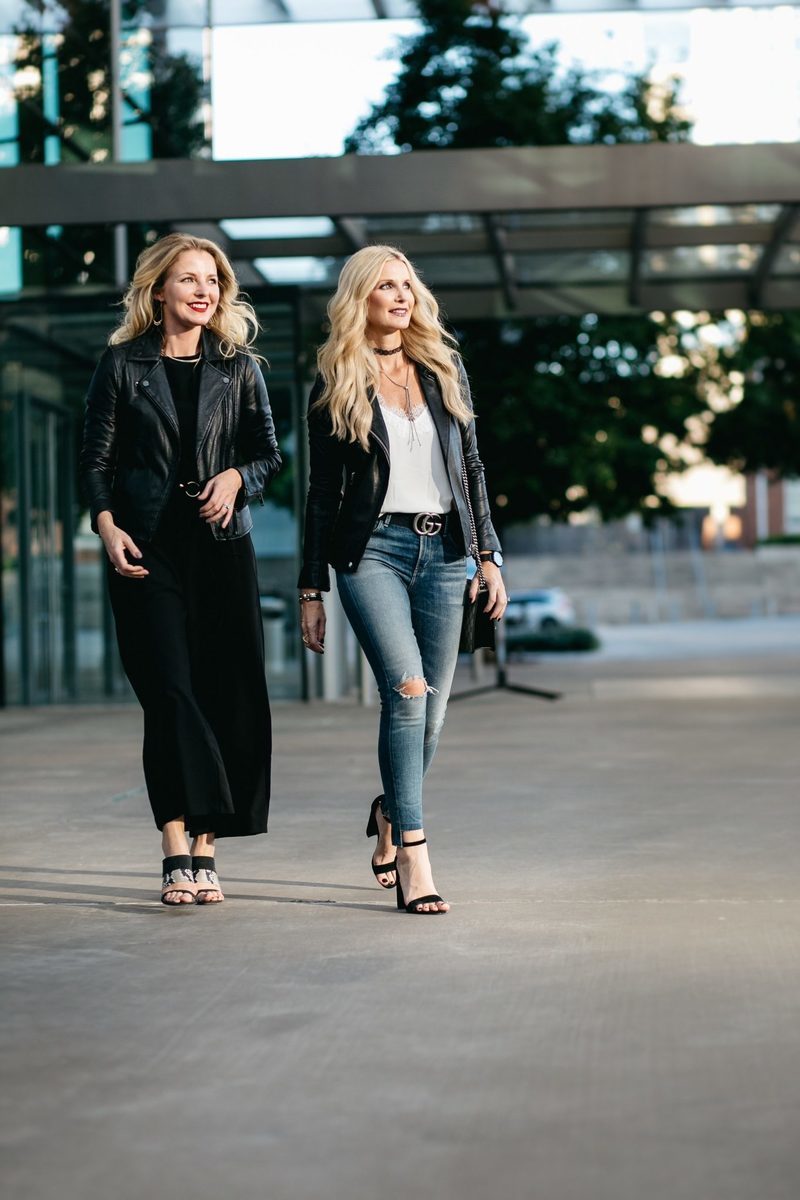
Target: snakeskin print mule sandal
[205, 876]
[177, 881]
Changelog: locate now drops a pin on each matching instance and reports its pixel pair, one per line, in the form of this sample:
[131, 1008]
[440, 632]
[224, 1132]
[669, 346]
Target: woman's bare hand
[496, 604]
[219, 496]
[312, 625]
[118, 546]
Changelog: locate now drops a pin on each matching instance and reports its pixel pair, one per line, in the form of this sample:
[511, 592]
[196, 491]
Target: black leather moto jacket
[131, 446]
[339, 521]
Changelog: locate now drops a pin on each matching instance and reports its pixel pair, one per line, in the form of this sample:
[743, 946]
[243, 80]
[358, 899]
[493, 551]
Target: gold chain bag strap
[477, 629]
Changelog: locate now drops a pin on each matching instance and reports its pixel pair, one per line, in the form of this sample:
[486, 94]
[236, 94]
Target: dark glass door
[45, 520]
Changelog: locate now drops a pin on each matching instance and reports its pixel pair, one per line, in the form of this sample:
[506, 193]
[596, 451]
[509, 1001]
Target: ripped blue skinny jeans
[404, 603]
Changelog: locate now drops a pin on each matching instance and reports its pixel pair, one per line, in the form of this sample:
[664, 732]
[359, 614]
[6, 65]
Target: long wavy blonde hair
[348, 365]
[234, 320]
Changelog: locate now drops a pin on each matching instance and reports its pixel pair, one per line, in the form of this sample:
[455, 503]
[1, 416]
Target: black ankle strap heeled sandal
[412, 905]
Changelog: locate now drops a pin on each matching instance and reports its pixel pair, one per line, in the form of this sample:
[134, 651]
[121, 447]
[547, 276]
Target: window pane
[716, 214]
[702, 260]
[573, 266]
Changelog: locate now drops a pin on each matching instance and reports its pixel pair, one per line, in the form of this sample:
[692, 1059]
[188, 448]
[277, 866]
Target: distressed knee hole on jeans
[420, 687]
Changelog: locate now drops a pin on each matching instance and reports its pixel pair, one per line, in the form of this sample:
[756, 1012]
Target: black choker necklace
[386, 353]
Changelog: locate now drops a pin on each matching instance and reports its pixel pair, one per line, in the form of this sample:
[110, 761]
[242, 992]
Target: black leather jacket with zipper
[347, 484]
[131, 443]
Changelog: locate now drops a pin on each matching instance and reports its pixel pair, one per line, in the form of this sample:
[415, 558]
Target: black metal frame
[568, 190]
[501, 683]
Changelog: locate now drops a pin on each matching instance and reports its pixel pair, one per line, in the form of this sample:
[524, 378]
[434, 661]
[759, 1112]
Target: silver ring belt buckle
[427, 524]
[192, 488]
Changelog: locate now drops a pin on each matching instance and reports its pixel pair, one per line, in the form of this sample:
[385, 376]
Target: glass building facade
[58, 642]
[66, 98]
[518, 232]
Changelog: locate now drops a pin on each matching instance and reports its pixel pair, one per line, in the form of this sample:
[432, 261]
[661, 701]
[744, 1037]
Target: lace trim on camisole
[416, 410]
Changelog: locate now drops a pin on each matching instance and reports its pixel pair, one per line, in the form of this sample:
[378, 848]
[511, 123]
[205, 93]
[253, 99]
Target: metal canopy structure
[495, 232]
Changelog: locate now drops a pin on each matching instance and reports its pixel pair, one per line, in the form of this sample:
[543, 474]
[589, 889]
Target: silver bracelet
[309, 596]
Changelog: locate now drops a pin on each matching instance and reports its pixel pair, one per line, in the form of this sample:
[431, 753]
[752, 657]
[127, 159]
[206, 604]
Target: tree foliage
[762, 431]
[470, 79]
[563, 400]
[563, 403]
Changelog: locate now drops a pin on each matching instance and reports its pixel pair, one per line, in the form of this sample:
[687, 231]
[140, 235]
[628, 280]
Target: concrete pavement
[610, 1011]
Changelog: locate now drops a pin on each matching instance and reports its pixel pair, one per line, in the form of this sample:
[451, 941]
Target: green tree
[573, 414]
[762, 372]
[471, 79]
[565, 399]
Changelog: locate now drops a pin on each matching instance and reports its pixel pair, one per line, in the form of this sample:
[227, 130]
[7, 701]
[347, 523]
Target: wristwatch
[492, 556]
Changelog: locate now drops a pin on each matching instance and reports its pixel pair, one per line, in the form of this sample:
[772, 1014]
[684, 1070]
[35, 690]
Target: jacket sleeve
[487, 537]
[326, 473]
[257, 445]
[98, 455]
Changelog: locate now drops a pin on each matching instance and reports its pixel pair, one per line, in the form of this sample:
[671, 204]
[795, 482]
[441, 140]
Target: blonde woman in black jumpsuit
[178, 439]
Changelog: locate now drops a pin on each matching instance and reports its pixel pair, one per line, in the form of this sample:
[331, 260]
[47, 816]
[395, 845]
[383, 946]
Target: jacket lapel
[379, 430]
[214, 386]
[215, 380]
[433, 396]
[154, 384]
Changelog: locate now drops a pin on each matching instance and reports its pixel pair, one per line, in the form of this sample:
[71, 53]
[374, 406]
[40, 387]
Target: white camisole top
[417, 477]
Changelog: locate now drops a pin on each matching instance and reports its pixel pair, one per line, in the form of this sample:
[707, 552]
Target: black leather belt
[425, 524]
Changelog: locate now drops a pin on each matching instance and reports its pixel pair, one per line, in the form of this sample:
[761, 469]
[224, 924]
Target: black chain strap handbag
[477, 629]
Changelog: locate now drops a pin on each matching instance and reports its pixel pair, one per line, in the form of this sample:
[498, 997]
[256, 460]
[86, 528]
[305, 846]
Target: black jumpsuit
[191, 643]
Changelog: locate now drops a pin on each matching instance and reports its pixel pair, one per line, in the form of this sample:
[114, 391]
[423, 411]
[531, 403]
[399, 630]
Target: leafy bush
[560, 638]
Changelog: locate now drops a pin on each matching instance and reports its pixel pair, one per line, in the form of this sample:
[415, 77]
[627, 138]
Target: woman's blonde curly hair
[234, 321]
[349, 367]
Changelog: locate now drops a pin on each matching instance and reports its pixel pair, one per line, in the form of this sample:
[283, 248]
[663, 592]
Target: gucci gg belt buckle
[428, 524]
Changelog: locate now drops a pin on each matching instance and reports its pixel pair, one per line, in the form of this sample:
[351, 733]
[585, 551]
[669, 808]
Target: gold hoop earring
[160, 315]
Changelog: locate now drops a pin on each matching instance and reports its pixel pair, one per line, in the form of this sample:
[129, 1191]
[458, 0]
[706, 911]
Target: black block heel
[373, 831]
[411, 906]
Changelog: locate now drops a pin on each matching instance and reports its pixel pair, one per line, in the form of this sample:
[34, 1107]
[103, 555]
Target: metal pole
[120, 231]
[208, 107]
[67, 511]
[24, 506]
[121, 280]
[54, 632]
[297, 393]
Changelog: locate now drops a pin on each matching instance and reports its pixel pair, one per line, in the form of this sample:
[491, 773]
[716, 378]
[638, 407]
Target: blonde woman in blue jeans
[391, 430]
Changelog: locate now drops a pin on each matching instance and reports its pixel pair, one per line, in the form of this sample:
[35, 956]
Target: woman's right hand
[312, 625]
[117, 542]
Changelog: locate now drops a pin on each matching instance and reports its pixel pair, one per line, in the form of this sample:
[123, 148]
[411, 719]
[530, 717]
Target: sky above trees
[740, 71]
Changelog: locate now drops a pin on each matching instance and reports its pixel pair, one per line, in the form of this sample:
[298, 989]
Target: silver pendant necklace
[413, 434]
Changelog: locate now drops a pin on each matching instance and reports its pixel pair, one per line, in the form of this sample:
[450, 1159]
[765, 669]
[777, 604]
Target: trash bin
[273, 619]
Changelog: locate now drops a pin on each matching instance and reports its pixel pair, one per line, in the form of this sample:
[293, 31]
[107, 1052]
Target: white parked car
[540, 608]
